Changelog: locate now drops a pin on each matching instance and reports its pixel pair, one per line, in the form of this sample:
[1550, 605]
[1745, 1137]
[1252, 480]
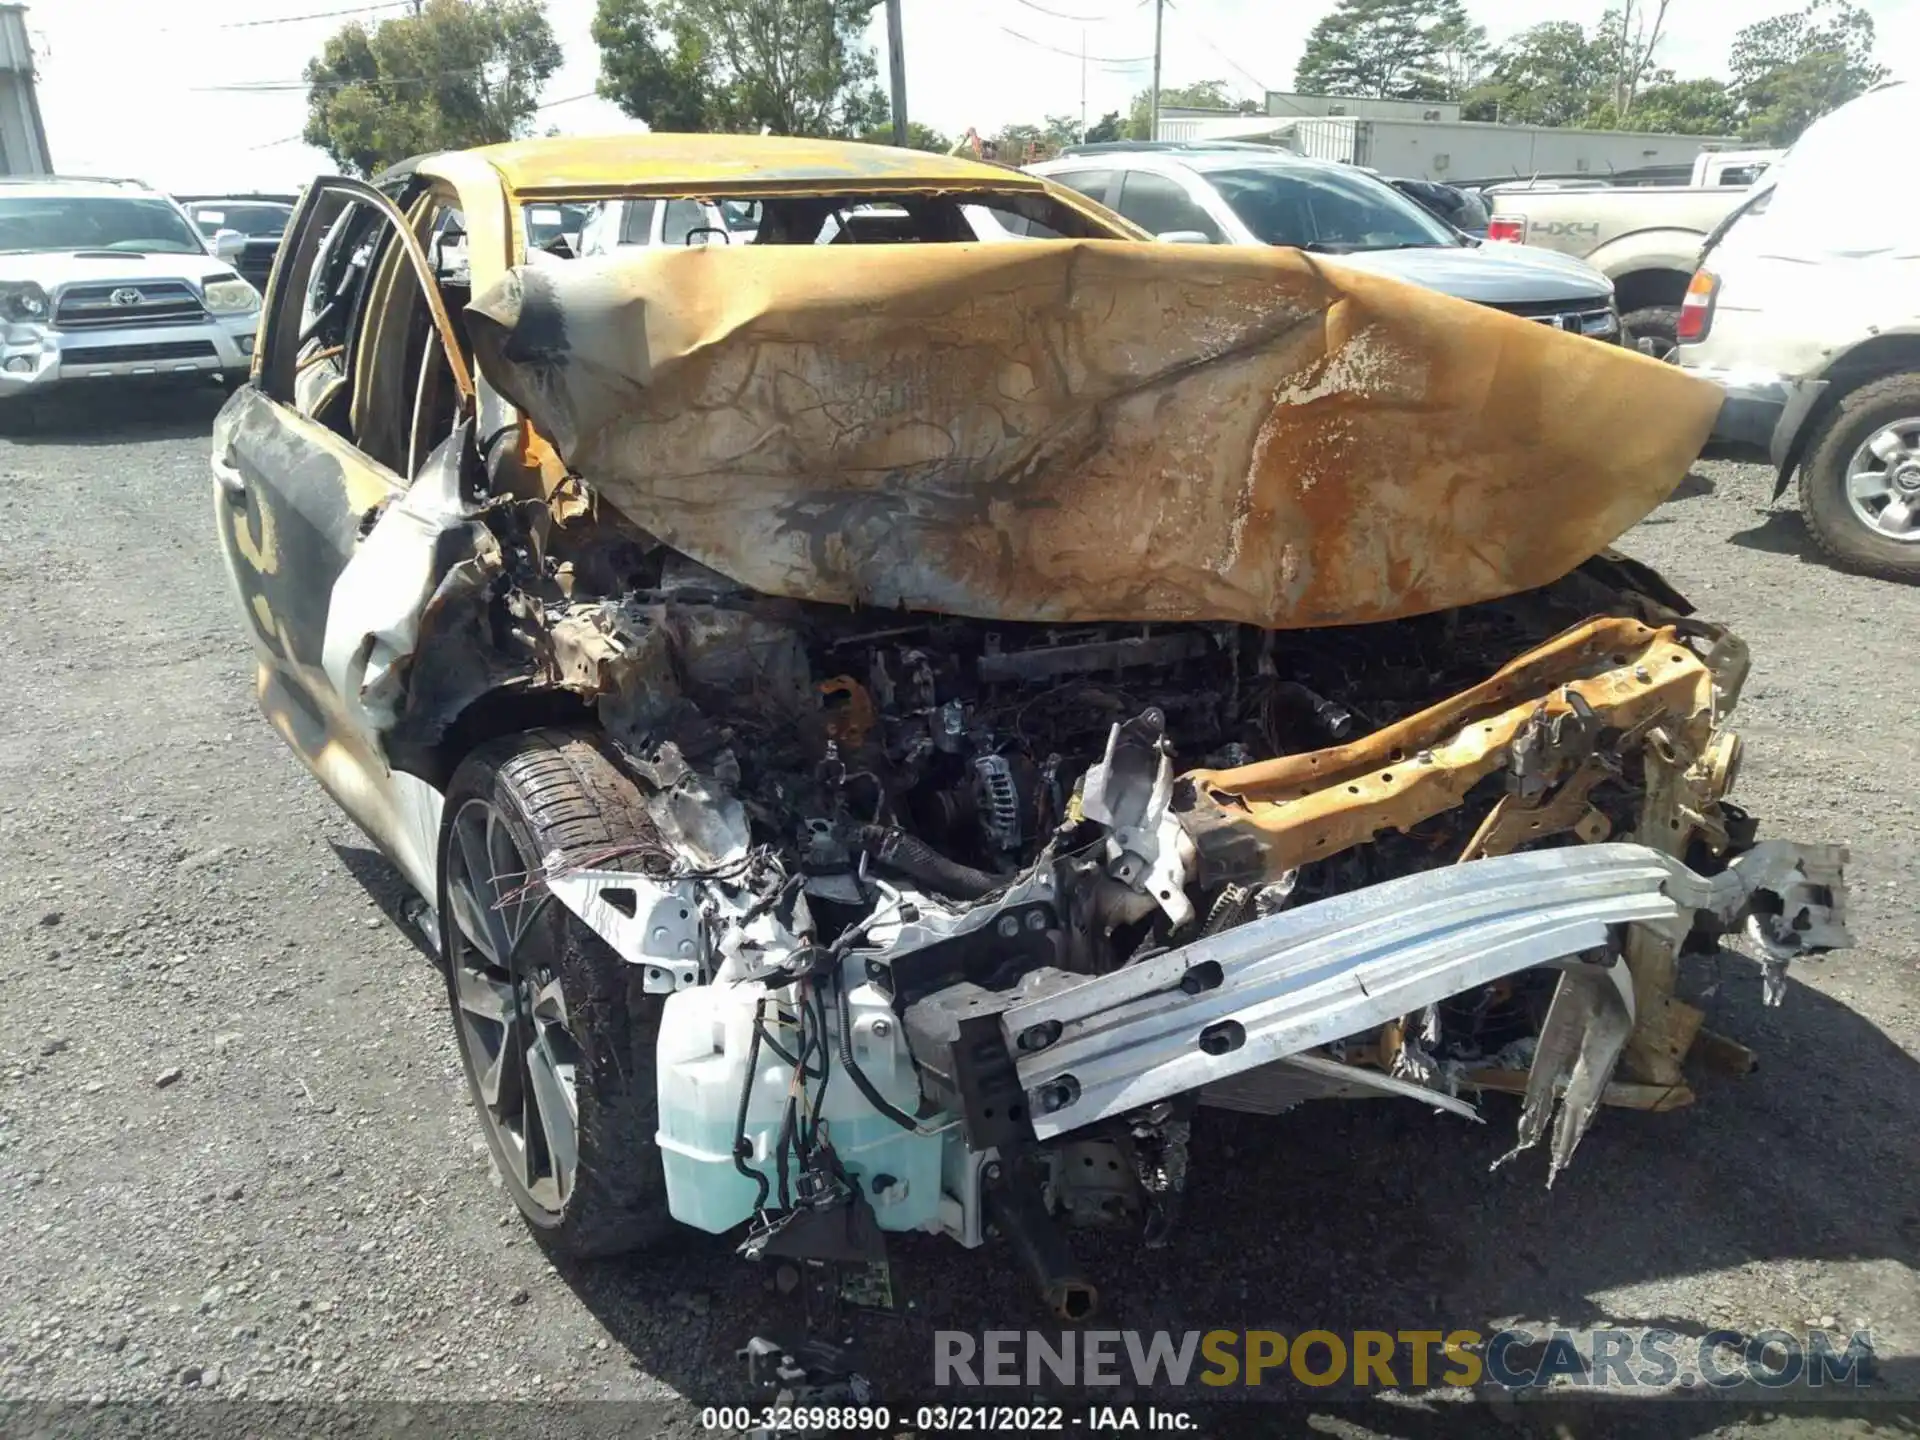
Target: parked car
[1243, 195]
[260, 218]
[1811, 324]
[105, 279]
[616, 223]
[882, 734]
[1645, 239]
[551, 225]
[1462, 209]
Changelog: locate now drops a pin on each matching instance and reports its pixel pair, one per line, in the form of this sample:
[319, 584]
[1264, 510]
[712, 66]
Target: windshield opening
[90, 222]
[862, 218]
[1331, 211]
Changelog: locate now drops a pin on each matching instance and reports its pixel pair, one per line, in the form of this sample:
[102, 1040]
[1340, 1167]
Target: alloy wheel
[1883, 481]
[510, 1007]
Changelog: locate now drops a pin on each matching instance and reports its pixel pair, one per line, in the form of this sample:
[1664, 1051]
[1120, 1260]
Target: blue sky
[124, 82]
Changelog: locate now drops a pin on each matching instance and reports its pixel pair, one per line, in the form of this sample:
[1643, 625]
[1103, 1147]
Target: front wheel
[556, 1031]
[1654, 331]
[1860, 481]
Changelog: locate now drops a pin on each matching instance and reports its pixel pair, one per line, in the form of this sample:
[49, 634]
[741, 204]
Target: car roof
[1193, 157]
[39, 186]
[581, 164]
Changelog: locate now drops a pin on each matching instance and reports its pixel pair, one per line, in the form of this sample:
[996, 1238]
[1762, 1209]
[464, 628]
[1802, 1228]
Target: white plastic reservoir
[705, 1036]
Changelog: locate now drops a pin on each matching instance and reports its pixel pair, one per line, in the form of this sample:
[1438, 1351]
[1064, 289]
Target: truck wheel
[556, 1032]
[1654, 331]
[1860, 481]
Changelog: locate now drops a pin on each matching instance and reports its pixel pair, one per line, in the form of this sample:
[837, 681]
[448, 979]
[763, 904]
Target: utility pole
[1153, 123]
[1083, 84]
[897, 71]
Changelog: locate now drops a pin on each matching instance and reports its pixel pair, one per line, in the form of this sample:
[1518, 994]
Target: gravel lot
[238, 1159]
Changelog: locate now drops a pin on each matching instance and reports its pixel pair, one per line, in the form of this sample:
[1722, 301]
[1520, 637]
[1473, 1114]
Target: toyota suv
[101, 279]
[1256, 195]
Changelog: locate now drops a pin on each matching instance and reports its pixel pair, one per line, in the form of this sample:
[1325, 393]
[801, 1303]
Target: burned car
[886, 744]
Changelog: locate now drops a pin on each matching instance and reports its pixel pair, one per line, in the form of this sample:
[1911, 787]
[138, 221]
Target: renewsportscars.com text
[1513, 1359]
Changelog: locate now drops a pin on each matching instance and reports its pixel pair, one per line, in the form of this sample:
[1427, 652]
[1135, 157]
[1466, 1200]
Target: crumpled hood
[1086, 430]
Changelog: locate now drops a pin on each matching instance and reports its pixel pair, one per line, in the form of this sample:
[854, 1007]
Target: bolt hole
[1387, 778]
[1205, 976]
[1353, 789]
[1223, 1037]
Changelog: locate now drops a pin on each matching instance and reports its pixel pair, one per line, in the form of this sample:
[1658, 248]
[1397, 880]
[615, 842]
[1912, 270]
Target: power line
[318, 15]
[548, 105]
[274, 87]
[1200, 35]
[1080, 19]
[1076, 55]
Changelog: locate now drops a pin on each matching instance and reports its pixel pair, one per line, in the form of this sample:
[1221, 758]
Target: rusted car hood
[1086, 430]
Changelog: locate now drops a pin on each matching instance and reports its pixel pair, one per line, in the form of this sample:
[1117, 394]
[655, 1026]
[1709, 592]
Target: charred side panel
[1087, 430]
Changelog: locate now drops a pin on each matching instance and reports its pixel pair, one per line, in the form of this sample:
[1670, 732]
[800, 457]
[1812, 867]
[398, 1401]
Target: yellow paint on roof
[564, 164]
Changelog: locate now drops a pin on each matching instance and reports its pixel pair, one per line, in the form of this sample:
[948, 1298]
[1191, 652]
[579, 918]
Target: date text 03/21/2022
[944, 1419]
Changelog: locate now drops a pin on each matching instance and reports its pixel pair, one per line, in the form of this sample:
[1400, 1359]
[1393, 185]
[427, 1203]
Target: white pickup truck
[1646, 239]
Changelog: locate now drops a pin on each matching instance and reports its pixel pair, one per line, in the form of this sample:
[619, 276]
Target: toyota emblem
[126, 295]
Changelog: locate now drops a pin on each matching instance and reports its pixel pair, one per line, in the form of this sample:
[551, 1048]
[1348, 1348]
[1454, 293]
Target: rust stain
[1087, 430]
[1306, 807]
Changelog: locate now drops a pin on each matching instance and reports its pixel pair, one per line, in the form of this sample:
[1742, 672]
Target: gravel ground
[238, 1158]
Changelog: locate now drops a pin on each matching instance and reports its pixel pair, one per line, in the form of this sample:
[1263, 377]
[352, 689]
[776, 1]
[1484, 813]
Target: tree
[1675, 107]
[1109, 128]
[919, 137]
[1397, 49]
[458, 73]
[1631, 38]
[1204, 95]
[1790, 70]
[794, 67]
[1553, 73]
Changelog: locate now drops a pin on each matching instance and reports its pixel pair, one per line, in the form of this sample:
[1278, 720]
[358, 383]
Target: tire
[1657, 323]
[541, 792]
[1843, 535]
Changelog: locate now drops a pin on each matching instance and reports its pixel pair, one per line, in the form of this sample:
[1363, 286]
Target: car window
[1094, 184]
[636, 226]
[991, 222]
[1159, 204]
[682, 219]
[46, 223]
[366, 360]
[250, 220]
[1326, 209]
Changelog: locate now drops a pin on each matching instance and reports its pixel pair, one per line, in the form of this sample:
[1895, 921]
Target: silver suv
[1256, 195]
[107, 278]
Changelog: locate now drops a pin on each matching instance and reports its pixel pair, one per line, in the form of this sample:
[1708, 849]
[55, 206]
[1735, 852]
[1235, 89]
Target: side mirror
[229, 245]
[1184, 237]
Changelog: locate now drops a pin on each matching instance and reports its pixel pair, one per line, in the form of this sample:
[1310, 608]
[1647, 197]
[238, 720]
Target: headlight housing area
[24, 302]
[231, 296]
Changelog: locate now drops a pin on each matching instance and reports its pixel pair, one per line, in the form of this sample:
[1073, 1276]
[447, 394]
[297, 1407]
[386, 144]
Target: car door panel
[295, 502]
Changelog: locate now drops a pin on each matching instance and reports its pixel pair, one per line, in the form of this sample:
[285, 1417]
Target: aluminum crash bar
[1342, 966]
